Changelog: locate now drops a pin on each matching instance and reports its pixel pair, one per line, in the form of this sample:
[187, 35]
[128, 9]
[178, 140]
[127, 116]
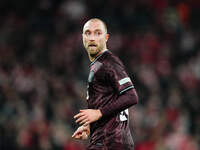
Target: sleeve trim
[126, 89]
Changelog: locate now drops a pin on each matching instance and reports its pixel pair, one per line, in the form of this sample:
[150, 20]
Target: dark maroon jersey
[112, 91]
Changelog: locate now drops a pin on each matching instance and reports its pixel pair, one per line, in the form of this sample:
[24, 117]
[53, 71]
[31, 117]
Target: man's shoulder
[111, 59]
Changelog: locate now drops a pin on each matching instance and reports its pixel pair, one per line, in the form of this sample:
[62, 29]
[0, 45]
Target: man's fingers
[81, 136]
[84, 136]
[82, 110]
[81, 119]
[78, 115]
[73, 135]
[77, 136]
[84, 121]
[76, 133]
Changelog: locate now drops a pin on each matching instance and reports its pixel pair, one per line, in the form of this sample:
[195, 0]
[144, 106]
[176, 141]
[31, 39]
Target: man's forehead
[93, 25]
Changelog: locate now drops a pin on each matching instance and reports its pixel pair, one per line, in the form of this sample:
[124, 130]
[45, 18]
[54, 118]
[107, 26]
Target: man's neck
[93, 58]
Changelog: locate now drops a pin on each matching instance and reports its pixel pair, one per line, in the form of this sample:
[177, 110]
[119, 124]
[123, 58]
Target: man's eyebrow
[87, 30]
[98, 30]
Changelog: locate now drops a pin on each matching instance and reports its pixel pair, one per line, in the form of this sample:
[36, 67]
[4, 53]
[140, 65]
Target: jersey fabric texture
[107, 83]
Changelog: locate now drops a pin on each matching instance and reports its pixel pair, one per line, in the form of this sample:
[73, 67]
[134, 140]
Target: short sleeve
[119, 79]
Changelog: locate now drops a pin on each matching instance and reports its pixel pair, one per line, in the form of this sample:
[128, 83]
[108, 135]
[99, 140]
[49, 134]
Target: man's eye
[87, 33]
[98, 33]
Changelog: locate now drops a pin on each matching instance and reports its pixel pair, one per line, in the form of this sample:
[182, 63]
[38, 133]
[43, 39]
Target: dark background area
[44, 69]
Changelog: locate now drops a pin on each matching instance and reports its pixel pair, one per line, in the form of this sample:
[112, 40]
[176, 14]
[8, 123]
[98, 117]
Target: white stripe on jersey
[124, 80]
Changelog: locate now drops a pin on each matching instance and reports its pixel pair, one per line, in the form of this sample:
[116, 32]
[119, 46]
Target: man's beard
[97, 51]
[93, 55]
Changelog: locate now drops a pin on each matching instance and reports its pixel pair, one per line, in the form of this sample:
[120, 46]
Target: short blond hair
[97, 19]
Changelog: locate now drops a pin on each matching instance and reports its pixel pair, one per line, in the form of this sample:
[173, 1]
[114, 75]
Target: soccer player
[109, 95]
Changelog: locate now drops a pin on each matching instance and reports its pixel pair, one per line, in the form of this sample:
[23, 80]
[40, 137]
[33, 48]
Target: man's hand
[82, 132]
[88, 116]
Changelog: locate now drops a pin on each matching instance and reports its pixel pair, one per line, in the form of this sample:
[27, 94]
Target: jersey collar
[98, 57]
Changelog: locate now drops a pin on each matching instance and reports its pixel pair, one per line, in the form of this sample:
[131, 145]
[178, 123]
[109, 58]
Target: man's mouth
[92, 45]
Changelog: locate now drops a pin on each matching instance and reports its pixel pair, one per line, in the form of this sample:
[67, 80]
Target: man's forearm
[124, 101]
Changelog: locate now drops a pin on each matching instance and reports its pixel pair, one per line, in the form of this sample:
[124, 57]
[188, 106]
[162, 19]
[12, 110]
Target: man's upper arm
[120, 81]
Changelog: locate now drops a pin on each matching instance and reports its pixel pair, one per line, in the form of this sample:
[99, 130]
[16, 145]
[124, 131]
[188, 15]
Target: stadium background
[44, 68]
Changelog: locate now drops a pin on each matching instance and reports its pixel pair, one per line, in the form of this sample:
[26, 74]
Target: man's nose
[92, 37]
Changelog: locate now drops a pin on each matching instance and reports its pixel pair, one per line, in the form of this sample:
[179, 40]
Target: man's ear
[107, 37]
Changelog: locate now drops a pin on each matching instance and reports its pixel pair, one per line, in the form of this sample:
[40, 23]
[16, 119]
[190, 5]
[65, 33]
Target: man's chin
[93, 55]
[93, 52]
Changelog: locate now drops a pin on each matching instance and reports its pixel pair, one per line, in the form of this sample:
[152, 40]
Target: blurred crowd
[44, 69]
